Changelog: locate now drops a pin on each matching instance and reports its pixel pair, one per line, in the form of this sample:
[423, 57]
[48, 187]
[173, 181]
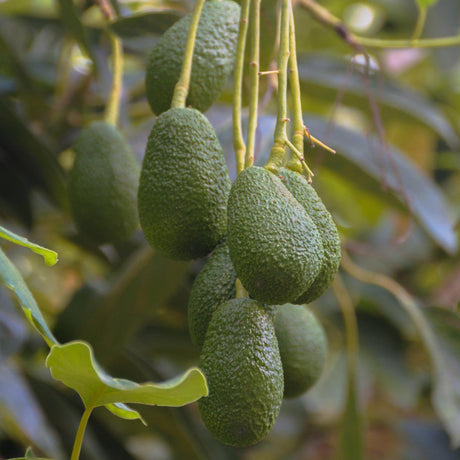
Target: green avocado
[184, 186]
[103, 184]
[214, 285]
[306, 195]
[274, 245]
[303, 348]
[213, 57]
[242, 365]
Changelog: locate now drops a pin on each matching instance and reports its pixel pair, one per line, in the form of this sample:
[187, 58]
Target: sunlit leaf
[426, 3]
[21, 417]
[73, 364]
[38, 8]
[12, 279]
[49, 256]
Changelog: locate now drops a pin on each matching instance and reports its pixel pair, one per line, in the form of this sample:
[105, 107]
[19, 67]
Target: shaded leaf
[74, 365]
[324, 77]
[426, 201]
[426, 3]
[10, 276]
[37, 8]
[48, 255]
[139, 25]
[20, 415]
[71, 20]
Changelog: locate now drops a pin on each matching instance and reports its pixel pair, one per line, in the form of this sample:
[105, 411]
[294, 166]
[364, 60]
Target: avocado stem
[182, 86]
[112, 110]
[278, 151]
[254, 81]
[238, 140]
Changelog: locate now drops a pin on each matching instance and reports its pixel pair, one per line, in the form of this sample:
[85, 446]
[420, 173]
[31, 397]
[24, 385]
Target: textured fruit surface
[303, 348]
[214, 285]
[213, 58]
[242, 364]
[103, 184]
[274, 245]
[184, 186]
[306, 195]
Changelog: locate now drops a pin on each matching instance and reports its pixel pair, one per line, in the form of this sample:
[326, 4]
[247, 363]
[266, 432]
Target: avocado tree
[251, 213]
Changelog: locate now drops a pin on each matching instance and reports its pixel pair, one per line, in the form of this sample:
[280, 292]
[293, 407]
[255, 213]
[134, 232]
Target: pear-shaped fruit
[303, 348]
[103, 184]
[213, 57]
[274, 244]
[184, 186]
[242, 364]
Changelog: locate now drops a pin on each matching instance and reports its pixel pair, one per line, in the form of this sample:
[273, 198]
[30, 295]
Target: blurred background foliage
[393, 188]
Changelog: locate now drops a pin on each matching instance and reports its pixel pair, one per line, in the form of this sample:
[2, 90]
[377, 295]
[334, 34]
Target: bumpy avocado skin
[184, 186]
[306, 195]
[274, 245]
[214, 285]
[103, 184]
[242, 364]
[213, 58]
[303, 348]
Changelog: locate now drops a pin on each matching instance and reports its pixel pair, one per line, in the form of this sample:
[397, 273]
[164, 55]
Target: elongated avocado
[242, 365]
[306, 195]
[274, 245]
[213, 57]
[214, 285]
[303, 348]
[103, 184]
[184, 186]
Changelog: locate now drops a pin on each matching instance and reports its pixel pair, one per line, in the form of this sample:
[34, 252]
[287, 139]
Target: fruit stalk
[181, 89]
[279, 146]
[112, 110]
[254, 80]
[238, 140]
[297, 118]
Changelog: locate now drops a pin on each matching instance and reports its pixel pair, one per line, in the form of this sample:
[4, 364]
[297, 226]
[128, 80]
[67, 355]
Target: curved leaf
[425, 200]
[50, 256]
[13, 280]
[74, 365]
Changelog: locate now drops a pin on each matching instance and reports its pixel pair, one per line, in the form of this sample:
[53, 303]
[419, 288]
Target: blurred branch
[326, 18]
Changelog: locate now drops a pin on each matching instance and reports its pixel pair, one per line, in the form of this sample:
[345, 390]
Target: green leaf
[71, 19]
[387, 165]
[324, 77]
[21, 416]
[50, 256]
[74, 365]
[10, 276]
[142, 24]
[37, 8]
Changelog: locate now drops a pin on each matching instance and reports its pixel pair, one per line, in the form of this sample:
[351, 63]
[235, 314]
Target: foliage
[393, 189]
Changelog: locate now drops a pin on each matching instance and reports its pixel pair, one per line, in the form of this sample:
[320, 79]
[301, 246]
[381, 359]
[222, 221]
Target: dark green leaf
[74, 364]
[12, 279]
[139, 25]
[387, 165]
[324, 77]
[70, 18]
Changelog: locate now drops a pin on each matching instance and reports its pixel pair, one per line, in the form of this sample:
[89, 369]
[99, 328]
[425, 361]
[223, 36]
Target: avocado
[213, 57]
[303, 348]
[242, 365]
[103, 184]
[306, 195]
[214, 285]
[274, 244]
[184, 186]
